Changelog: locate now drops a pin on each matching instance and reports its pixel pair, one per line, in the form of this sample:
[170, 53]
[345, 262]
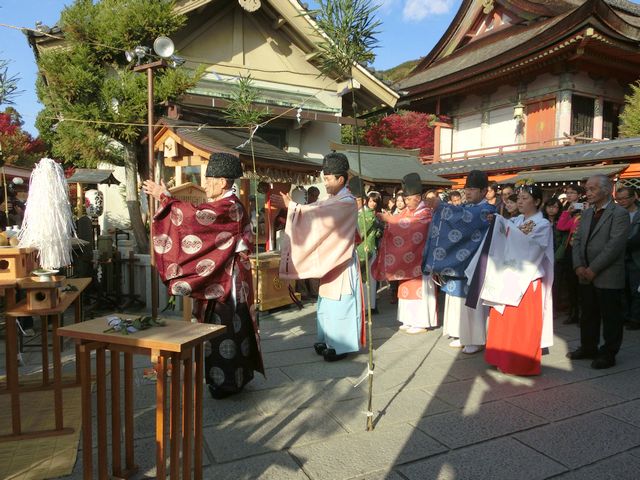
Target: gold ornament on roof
[487, 6]
[524, 182]
[250, 5]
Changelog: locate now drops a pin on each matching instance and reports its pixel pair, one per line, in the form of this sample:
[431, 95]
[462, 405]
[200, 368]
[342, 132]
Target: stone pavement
[439, 413]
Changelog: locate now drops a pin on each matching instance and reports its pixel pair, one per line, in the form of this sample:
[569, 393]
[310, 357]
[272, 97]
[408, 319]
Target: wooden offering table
[179, 344]
[271, 291]
[70, 294]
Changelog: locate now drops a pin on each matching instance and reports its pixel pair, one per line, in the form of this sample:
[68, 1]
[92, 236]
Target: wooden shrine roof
[480, 53]
[93, 175]
[271, 161]
[589, 153]
[232, 140]
[387, 165]
[566, 174]
[606, 28]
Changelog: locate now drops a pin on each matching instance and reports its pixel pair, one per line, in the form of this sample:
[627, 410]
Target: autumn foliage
[18, 146]
[403, 130]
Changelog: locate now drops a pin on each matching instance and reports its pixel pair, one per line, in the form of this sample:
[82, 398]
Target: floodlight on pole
[140, 52]
[163, 46]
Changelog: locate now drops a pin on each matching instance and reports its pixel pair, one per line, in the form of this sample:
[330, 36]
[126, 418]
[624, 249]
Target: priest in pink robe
[202, 251]
[400, 258]
[319, 242]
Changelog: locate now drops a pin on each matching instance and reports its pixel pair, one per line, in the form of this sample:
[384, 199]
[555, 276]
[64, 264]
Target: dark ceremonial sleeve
[196, 246]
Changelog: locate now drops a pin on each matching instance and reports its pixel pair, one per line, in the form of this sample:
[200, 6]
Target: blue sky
[409, 30]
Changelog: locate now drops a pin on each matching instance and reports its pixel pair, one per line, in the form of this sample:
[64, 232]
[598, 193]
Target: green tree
[8, 84]
[630, 116]
[347, 131]
[241, 110]
[94, 102]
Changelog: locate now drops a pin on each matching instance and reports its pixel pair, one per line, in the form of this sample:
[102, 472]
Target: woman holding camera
[568, 222]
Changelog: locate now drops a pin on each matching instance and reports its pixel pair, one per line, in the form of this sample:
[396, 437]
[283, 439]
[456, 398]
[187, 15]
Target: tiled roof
[569, 155]
[478, 53]
[624, 5]
[566, 174]
[93, 175]
[490, 47]
[233, 141]
[387, 165]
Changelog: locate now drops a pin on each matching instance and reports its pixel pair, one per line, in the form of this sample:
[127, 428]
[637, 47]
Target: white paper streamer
[48, 223]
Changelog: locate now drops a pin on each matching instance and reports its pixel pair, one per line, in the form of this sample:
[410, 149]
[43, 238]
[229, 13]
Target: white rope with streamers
[366, 375]
[48, 224]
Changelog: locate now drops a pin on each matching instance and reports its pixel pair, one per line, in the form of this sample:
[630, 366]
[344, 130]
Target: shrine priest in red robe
[400, 258]
[319, 242]
[202, 251]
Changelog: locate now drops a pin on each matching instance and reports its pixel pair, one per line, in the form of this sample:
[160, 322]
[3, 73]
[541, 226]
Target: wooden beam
[185, 161]
[278, 22]
[285, 112]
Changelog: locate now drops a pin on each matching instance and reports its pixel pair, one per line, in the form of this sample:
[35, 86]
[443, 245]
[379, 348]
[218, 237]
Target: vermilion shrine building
[531, 87]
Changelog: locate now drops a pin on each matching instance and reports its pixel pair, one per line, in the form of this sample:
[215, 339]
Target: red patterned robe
[202, 252]
[400, 258]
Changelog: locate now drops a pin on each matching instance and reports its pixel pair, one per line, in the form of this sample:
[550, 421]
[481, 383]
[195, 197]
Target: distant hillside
[398, 72]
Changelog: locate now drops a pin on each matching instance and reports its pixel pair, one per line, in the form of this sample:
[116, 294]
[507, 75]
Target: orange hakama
[513, 337]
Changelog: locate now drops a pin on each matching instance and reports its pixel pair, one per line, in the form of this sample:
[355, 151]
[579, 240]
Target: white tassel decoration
[48, 223]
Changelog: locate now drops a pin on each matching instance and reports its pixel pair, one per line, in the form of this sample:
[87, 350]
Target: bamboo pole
[254, 183]
[371, 365]
[6, 202]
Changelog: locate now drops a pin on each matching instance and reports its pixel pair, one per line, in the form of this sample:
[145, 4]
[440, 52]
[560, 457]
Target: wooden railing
[506, 149]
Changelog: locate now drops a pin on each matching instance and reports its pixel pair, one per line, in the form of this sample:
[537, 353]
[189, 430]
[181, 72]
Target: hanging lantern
[518, 111]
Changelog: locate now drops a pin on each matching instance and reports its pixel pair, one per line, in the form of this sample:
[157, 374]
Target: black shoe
[580, 354]
[330, 355]
[633, 326]
[218, 394]
[603, 362]
[319, 347]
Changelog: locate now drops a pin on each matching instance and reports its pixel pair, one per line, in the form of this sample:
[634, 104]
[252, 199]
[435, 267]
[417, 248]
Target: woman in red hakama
[515, 337]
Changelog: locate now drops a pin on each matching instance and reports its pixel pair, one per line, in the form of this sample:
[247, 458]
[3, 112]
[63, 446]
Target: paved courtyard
[438, 413]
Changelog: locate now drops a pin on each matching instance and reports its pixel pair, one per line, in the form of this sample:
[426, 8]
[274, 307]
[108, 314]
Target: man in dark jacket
[598, 260]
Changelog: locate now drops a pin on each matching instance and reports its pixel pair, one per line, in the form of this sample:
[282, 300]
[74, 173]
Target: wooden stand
[13, 387]
[178, 344]
[41, 295]
[17, 263]
[271, 290]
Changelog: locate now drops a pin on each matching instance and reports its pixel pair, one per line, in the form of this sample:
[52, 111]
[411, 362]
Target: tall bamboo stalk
[370, 364]
[254, 184]
[348, 31]
[6, 203]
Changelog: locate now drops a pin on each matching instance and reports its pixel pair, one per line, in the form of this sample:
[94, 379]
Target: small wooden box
[17, 263]
[189, 192]
[271, 291]
[42, 295]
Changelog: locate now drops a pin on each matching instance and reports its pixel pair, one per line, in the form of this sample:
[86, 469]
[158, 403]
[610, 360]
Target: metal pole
[152, 209]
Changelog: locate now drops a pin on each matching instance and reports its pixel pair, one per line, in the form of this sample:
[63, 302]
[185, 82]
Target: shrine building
[532, 88]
